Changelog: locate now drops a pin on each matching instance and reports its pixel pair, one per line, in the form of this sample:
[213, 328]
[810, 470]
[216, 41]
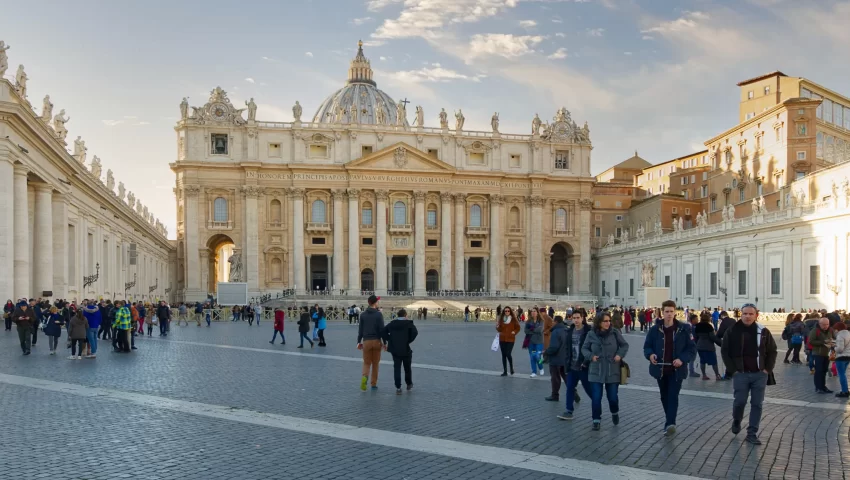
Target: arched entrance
[560, 269]
[432, 280]
[217, 268]
[367, 280]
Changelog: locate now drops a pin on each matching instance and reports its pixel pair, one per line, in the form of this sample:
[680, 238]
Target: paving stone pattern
[467, 407]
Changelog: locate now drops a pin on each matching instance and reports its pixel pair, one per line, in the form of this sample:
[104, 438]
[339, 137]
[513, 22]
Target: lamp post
[129, 285]
[836, 289]
[153, 287]
[90, 279]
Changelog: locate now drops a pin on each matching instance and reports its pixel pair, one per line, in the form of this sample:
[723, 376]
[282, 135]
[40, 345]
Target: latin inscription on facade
[338, 177]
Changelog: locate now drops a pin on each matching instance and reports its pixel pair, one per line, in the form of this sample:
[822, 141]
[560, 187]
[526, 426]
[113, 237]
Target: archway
[432, 280]
[367, 280]
[220, 248]
[560, 269]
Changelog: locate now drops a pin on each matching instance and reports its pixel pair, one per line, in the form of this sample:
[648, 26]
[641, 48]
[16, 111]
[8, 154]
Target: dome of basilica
[360, 100]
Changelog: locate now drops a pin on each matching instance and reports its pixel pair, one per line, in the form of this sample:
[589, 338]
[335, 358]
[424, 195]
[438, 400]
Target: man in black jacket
[557, 353]
[369, 340]
[399, 334]
[749, 353]
[574, 363]
[163, 314]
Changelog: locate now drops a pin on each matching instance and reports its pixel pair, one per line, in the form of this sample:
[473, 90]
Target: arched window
[514, 217]
[366, 214]
[475, 216]
[317, 214]
[431, 217]
[220, 210]
[399, 213]
[560, 220]
[274, 211]
[277, 270]
[515, 272]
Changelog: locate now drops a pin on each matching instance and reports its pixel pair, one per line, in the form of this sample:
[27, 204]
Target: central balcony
[318, 227]
[397, 229]
[477, 231]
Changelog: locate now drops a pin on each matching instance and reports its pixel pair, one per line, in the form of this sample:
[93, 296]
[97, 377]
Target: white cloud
[309, 54]
[382, 58]
[130, 117]
[527, 23]
[687, 21]
[502, 45]
[434, 73]
[250, 80]
[559, 54]
[627, 53]
[595, 32]
[375, 5]
[373, 43]
[429, 18]
[557, 20]
[142, 123]
[560, 35]
[112, 123]
[361, 20]
[647, 37]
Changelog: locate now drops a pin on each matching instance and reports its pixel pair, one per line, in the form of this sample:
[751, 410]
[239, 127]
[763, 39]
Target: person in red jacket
[627, 320]
[278, 326]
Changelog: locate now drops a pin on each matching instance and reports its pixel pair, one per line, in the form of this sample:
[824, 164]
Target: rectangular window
[619, 218]
[366, 216]
[675, 210]
[318, 241]
[741, 195]
[750, 94]
[597, 231]
[799, 175]
[618, 204]
[775, 281]
[727, 264]
[365, 150]
[433, 153]
[742, 283]
[847, 118]
[801, 155]
[274, 150]
[597, 217]
[318, 151]
[476, 158]
[767, 90]
[703, 191]
[432, 218]
[516, 161]
[714, 204]
[759, 189]
[476, 244]
[712, 283]
[603, 289]
[814, 280]
[616, 288]
[619, 232]
[432, 242]
[689, 284]
[805, 93]
[667, 281]
[838, 115]
[562, 160]
[819, 111]
[631, 287]
[827, 110]
[366, 241]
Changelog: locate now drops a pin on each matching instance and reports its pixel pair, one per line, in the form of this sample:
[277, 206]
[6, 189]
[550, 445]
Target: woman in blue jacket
[322, 324]
[53, 328]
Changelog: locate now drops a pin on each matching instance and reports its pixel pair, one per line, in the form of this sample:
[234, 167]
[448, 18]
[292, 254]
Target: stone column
[446, 241]
[381, 263]
[309, 273]
[338, 227]
[496, 259]
[204, 259]
[43, 245]
[584, 246]
[419, 244]
[484, 263]
[460, 240]
[252, 236]
[465, 285]
[22, 234]
[526, 224]
[353, 239]
[296, 197]
[410, 272]
[7, 223]
[194, 290]
[536, 243]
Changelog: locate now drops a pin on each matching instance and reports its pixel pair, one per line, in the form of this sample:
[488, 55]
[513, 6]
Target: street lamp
[129, 285]
[90, 279]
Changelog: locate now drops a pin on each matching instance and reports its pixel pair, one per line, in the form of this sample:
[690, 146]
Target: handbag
[625, 373]
[495, 346]
[526, 341]
[796, 339]
[832, 354]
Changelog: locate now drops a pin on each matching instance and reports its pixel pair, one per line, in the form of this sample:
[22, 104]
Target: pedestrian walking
[199, 313]
[398, 335]
[53, 329]
[121, 328]
[94, 318]
[507, 326]
[25, 321]
[278, 326]
[693, 320]
[8, 310]
[557, 353]
[183, 315]
[575, 364]
[77, 331]
[669, 347]
[141, 315]
[842, 357]
[749, 353]
[322, 325]
[822, 339]
[706, 340]
[314, 315]
[163, 315]
[370, 341]
[605, 349]
[258, 314]
[304, 327]
[36, 314]
[534, 342]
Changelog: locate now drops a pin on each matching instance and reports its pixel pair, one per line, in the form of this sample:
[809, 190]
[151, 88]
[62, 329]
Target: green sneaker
[363, 382]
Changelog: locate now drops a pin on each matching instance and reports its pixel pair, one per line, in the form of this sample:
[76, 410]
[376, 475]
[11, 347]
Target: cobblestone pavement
[456, 398]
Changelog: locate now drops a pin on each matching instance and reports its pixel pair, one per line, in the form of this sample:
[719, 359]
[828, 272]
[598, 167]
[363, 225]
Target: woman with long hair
[534, 332]
[604, 348]
[508, 327]
[706, 340]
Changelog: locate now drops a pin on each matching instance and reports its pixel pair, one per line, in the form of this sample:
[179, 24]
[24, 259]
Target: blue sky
[657, 76]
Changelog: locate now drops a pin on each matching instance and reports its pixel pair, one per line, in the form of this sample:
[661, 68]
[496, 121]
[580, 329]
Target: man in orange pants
[370, 342]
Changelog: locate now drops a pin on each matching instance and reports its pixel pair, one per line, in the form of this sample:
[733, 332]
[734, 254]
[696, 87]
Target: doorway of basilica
[318, 271]
[220, 248]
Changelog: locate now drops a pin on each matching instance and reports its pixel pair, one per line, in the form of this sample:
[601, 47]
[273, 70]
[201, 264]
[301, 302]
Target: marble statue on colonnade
[46, 110]
[296, 111]
[4, 59]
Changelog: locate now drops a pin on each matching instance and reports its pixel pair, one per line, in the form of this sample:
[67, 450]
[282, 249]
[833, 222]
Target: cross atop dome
[360, 70]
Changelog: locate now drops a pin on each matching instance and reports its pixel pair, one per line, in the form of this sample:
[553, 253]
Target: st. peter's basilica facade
[365, 197]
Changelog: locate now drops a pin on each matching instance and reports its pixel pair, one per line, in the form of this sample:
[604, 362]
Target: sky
[653, 76]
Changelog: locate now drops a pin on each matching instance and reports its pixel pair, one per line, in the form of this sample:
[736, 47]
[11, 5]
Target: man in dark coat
[399, 334]
[163, 314]
[24, 318]
[557, 354]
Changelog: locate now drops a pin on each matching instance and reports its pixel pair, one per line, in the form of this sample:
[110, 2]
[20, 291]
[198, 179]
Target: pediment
[400, 156]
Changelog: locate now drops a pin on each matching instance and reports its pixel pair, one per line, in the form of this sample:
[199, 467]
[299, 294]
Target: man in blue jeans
[669, 348]
[574, 364]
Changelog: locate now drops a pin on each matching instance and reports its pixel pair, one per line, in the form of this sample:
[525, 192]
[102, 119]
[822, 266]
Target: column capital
[382, 195]
[585, 203]
[295, 193]
[353, 193]
[446, 197]
[338, 193]
[497, 199]
[43, 187]
[252, 191]
[537, 201]
[460, 197]
[191, 190]
[21, 169]
[419, 196]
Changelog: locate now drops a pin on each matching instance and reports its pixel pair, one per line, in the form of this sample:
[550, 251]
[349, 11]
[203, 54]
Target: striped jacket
[122, 319]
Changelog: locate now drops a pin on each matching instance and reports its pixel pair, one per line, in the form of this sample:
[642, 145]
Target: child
[151, 323]
[278, 326]
[53, 328]
[77, 333]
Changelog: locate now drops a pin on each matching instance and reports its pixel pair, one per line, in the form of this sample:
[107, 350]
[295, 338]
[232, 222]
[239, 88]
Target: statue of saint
[110, 180]
[184, 108]
[763, 205]
[21, 82]
[121, 191]
[4, 59]
[138, 206]
[59, 122]
[444, 119]
[585, 133]
[401, 114]
[80, 149]
[354, 114]
[46, 110]
[681, 224]
[731, 213]
[535, 125]
[755, 206]
[235, 262]
[625, 236]
[610, 239]
[96, 167]
[252, 110]
[131, 199]
[380, 115]
[494, 122]
[340, 114]
[459, 120]
[420, 117]
[296, 111]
